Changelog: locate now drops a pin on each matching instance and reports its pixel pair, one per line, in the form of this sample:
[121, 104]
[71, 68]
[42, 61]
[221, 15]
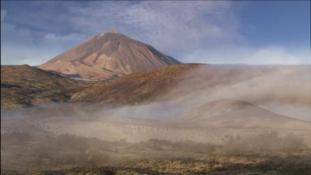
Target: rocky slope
[185, 83]
[25, 86]
[135, 88]
[108, 55]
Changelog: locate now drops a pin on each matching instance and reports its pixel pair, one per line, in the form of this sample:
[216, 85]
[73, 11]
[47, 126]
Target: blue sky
[247, 32]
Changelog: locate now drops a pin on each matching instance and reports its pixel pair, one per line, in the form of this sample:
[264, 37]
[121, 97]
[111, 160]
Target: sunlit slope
[278, 89]
[134, 88]
[108, 55]
[258, 84]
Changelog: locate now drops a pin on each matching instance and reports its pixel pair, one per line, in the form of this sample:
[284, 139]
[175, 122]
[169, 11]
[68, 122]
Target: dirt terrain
[108, 55]
[179, 119]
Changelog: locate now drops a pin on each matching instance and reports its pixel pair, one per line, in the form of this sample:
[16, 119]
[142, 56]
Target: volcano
[108, 55]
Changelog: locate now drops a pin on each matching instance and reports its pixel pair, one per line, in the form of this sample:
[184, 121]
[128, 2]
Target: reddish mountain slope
[134, 88]
[108, 55]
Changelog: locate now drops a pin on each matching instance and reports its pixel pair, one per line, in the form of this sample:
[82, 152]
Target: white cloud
[240, 54]
[18, 46]
[23, 55]
[192, 31]
[168, 25]
[53, 38]
[277, 55]
[180, 25]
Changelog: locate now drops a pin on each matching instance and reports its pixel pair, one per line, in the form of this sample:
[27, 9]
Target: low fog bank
[284, 90]
[43, 150]
[64, 136]
[232, 112]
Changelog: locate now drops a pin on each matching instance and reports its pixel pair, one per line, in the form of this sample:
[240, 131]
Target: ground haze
[182, 119]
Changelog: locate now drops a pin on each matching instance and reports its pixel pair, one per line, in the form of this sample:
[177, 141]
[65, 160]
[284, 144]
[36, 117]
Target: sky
[215, 32]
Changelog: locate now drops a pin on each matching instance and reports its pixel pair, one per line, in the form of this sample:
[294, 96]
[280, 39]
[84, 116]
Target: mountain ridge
[108, 55]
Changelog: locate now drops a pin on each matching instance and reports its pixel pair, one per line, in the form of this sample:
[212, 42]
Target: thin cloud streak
[252, 56]
[187, 30]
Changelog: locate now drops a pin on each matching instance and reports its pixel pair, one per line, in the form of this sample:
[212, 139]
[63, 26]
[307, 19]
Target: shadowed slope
[25, 85]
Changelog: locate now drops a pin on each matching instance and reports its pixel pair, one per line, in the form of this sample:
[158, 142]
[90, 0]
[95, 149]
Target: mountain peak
[107, 55]
[114, 30]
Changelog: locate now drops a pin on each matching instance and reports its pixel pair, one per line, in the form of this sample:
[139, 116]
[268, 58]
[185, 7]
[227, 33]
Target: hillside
[25, 86]
[171, 82]
[108, 55]
[134, 88]
[179, 112]
[187, 84]
[239, 114]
